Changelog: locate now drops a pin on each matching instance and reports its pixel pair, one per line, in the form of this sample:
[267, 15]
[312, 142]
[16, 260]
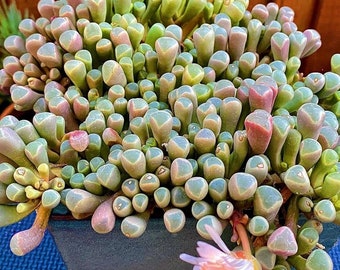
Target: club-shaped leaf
[259, 127]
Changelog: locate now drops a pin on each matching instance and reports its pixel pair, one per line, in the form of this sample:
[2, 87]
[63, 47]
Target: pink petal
[217, 239]
[208, 251]
[189, 259]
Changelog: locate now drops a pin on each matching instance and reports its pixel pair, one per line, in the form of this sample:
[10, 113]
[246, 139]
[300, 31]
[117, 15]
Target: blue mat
[44, 257]
[334, 252]
[47, 256]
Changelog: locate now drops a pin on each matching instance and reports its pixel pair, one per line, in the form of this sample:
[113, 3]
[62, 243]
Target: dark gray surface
[156, 249]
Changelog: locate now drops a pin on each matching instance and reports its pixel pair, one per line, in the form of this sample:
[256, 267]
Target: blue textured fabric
[334, 252]
[45, 257]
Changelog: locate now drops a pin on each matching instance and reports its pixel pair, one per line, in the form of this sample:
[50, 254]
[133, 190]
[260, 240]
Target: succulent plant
[188, 106]
[10, 17]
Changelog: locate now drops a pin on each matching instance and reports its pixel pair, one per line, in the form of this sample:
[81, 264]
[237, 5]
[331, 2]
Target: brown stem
[187, 27]
[42, 217]
[8, 110]
[285, 193]
[292, 214]
[259, 241]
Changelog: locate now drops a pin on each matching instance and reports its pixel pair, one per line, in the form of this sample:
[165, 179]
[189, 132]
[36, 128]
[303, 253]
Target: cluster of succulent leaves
[188, 106]
[10, 17]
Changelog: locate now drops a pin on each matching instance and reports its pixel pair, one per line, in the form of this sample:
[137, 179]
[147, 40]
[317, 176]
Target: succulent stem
[25, 241]
[293, 214]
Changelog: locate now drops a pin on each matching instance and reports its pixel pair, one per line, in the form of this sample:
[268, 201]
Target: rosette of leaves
[202, 110]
